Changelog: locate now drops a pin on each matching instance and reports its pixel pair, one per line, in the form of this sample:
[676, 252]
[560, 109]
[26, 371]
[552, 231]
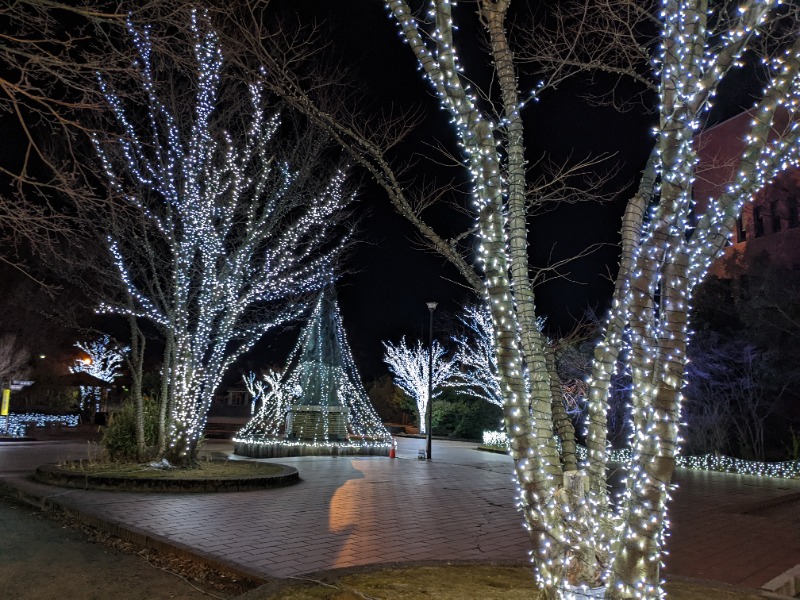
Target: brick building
[770, 224]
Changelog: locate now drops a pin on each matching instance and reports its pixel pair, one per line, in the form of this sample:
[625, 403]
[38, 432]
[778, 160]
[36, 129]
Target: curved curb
[53, 474]
[492, 449]
[54, 505]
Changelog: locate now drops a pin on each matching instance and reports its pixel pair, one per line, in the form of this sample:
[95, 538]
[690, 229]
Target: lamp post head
[432, 305]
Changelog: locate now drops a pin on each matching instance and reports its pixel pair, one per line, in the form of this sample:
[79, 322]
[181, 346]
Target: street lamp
[429, 408]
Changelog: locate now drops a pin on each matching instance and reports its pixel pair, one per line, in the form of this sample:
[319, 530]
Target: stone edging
[54, 475]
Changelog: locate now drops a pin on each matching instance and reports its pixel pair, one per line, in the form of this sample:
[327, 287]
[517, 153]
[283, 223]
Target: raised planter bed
[73, 477]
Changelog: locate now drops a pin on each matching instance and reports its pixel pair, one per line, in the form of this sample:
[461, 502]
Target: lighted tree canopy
[419, 374]
[104, 359]
[237, 229]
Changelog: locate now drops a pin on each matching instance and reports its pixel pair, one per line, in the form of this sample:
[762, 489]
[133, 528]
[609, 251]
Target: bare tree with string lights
[410, 367]
[584, 544]
[264, 388]
[239, 228]
[475, 357]
[104, 359]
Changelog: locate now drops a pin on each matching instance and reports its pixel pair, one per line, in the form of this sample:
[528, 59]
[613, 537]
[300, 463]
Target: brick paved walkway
[356, 511]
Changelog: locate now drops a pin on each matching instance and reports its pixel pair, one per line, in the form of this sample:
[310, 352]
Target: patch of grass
[233, 469]
[451, 582]
[459, 582]
[684, 590]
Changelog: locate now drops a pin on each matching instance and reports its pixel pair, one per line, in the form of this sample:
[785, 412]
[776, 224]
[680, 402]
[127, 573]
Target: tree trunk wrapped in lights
[240, 230]
[318, 405]
[579, 540]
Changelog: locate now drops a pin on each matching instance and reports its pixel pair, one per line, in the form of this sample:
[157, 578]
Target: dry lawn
[457, 582]
[203, 470]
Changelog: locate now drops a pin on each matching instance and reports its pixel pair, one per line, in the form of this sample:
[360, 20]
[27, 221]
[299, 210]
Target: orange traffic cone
[392, 453]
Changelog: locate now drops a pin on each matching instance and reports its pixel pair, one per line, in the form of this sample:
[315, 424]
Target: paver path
[724, 529]
[356, 511]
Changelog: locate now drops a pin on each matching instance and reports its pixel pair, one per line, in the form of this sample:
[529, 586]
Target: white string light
[789, 469]
[17, 424]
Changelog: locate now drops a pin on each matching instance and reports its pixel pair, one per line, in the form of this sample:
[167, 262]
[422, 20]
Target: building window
[758, 222]
[741, 232]
[776, 217]
[793, 205]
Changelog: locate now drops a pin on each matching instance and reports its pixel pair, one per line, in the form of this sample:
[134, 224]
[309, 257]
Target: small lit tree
[410, 367]
[104, 360]
[476, 358]
[264, 389]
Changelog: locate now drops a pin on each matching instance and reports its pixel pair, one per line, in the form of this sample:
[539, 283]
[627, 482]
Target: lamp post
[429, 407]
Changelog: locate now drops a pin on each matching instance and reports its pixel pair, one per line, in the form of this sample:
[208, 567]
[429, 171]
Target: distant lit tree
[475, 358]
[410, 367]
[265, 388]
[477, 370]
[105, 357]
